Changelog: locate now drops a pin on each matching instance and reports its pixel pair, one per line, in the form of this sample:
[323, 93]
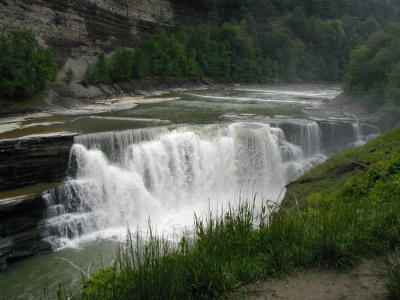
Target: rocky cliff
[34, 159]
[77, 30]
[27, 163]
[20, 230]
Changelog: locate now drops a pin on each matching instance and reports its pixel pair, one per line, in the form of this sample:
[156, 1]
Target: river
[160, 158]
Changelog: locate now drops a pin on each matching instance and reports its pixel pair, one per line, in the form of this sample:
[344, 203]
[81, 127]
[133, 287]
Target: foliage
[120, 64]
[374, 71]
[222, 53]
[265, 40]
[25, 67]
[360, 218]
[69, 76]
[324, 9]
[100, 73]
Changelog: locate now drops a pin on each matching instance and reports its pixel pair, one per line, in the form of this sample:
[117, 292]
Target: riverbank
[61, 95]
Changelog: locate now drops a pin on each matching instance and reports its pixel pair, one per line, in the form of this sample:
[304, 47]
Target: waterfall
[114, 144]
[166, 174]
[359, 140]
[337, 136]
[303, 133]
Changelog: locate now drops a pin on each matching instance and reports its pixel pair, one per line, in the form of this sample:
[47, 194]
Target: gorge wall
[28, 163]
[77, 30]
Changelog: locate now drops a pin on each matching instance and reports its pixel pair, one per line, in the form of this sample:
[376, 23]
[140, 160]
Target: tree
[100, 73]
[120, 65]
[25, 67]
[68, 76]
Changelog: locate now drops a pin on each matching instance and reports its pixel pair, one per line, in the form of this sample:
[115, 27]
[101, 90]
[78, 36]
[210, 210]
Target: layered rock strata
[34, 159]
[27, 161]
[77, 30]
[20, 231]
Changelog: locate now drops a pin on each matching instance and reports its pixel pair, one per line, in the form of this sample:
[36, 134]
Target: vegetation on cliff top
[328, 227]
[266, 40]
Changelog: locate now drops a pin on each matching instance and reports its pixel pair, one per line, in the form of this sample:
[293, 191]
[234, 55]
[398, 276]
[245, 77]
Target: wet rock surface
[20, 230]
[34, 159]
[27, 161]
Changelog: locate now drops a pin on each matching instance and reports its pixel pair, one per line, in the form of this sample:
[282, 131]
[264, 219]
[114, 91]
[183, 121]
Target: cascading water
[166, 174]
[359, 140]
[114, 144]
[300, 146]
[169, 173]
[125, 178]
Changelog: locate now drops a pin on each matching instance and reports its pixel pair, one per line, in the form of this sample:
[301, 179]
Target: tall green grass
[243, 244]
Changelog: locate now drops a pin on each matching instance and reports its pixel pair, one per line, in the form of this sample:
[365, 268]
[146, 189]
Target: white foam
[168, 175]
[251, 99]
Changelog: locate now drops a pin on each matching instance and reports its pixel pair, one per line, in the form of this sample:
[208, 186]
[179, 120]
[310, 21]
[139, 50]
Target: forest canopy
[374, 69]
[265, 40]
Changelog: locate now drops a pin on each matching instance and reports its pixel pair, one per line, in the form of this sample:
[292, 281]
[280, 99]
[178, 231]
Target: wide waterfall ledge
[166, 174]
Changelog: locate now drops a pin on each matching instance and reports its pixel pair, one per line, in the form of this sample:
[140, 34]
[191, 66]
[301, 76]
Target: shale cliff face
[26, 162]
[76, 30]
[20, 230]
[32, 160]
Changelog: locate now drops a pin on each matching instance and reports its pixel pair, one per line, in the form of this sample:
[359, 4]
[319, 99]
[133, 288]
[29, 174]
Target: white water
[131, 188]
[166, 175]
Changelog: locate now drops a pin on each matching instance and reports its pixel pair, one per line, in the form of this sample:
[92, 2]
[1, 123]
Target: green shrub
[100, 73]
[374, 69]
[25, 67]
[121, 64]
[69, 76]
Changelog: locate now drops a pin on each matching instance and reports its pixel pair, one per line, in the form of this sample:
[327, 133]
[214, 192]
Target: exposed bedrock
[20, 231]
[77, 30]
[327, 136]
[25, 162]
[34, 159]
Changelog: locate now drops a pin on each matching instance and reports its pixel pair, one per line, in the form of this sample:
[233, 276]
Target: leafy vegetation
[334, 228]
[25, 67]
[374, 69]
[100, 73]
[265, 40]
[379, 9]
[223, 53]
[69, 76]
